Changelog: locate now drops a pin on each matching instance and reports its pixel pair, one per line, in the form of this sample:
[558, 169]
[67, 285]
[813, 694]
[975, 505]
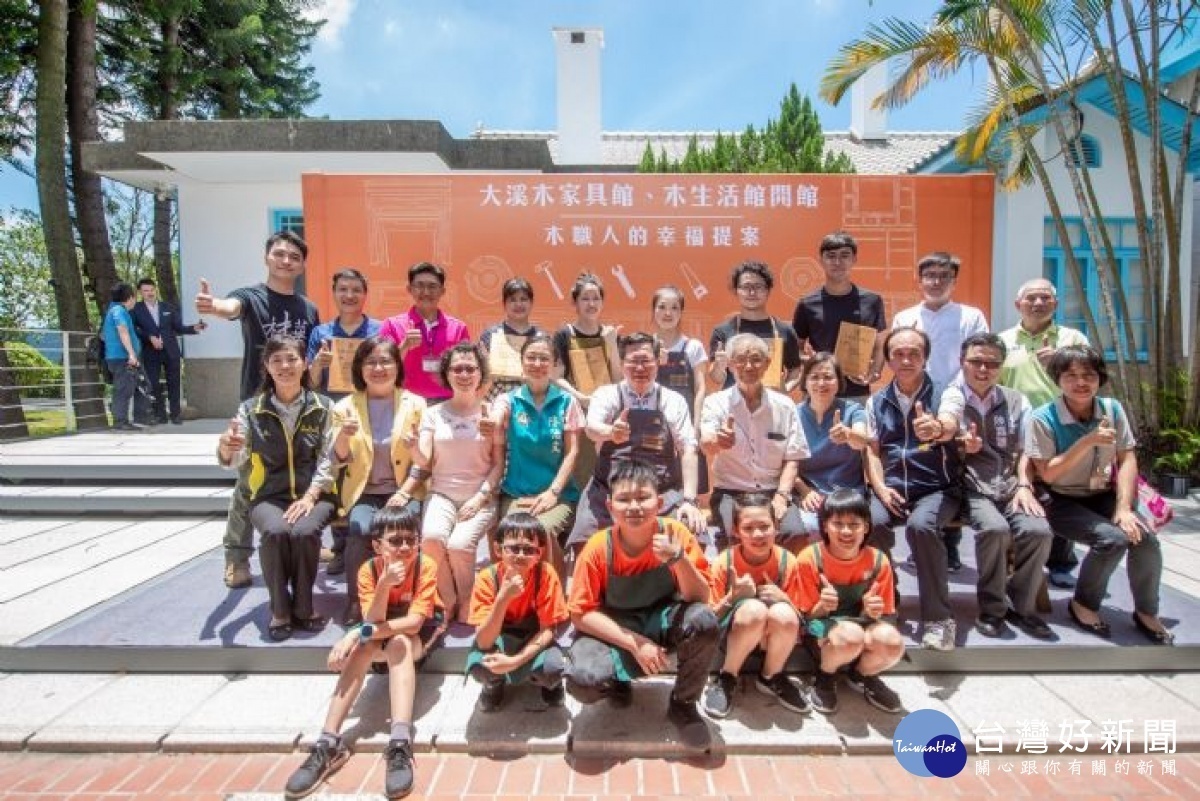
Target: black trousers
[157, 362]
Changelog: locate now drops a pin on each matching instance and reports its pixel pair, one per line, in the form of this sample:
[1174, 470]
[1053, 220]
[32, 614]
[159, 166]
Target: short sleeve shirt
[767, 330]
[550, 606]
[831, 466]
[720, 579]
[462, 457]
[267, 313]
[436, 339]
[1023, 372]
[608, 401]
[843, 572]
[1055, 430]
[422, 601]
[765, 439]
[946, 327]
[333, 330]
[819, 316]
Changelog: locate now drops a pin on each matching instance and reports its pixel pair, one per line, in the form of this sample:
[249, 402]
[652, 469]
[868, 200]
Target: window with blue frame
[288, 220]
[1085, 152]
[1123, 234]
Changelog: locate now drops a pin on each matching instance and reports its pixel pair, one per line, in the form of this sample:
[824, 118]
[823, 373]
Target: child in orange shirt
[846, 589]
[755, 586]
[516, 607]
[639, 590]
[398, 592]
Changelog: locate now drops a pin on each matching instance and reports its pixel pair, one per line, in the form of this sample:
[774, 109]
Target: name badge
[431, 364]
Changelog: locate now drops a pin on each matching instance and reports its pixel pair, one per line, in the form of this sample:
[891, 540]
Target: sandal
[312, 624]
[1157, 636]
[1099, 628]
[278, 632]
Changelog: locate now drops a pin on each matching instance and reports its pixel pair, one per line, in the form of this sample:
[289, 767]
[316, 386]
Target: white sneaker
[939, 635]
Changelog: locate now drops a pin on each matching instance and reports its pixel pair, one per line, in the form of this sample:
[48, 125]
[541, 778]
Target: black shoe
[176, 421]
[491, 696]
[990, 625]
[323, 759]
[1099, 628]
[823, 695]
[1157, 636]
[877, 694]
[337, 565]
[782, 690]
[718, 698]
[621, 694]
[398, 776]
[1063, 579]
[693, 731]
[127, 426]
[953, 561]
[310, 624]
[554, 696]
[1032, 625]
[352, 614]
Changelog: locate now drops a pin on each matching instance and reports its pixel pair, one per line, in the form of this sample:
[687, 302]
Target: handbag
[1152, 509]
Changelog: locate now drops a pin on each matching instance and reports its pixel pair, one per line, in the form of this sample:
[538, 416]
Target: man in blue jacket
[159, 326]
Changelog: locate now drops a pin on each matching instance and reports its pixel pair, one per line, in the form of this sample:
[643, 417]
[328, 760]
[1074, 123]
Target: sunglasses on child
[402, 540]
[516, 549]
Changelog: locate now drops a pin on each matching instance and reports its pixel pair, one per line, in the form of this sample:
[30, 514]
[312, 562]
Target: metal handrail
[69, 349]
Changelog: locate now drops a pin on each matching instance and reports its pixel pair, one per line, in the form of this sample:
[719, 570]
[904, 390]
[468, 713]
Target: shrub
[38, 376]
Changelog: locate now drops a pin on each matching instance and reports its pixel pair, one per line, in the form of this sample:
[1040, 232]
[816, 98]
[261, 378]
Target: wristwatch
[365, 632]
[678, 556]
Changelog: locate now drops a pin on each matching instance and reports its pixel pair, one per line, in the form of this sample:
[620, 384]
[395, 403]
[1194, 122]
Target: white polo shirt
[765, 439]
[946, 327]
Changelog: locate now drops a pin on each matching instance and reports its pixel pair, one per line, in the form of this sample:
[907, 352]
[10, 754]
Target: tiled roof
[897, 154]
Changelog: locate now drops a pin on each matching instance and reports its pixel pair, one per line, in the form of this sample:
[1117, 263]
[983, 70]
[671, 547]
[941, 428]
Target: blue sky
[667, 64]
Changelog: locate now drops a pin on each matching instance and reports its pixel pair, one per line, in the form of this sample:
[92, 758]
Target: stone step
[133, 499]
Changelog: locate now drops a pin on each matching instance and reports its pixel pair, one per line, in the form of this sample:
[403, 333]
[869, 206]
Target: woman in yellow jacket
[376, 443]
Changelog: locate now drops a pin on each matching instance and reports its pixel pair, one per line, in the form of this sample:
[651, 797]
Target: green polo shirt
[1023, 372]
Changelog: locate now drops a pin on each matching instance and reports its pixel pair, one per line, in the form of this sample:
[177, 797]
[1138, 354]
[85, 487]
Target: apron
[773, 375]
[645, 603]
[677, 373]
[650, 442]
[849, 597]
[504, 363]
[731, 574]
[514, 635]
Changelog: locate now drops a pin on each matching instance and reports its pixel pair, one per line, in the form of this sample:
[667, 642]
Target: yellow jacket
[408, 411]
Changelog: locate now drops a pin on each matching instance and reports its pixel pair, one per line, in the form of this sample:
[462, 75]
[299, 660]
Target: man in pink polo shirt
[424, 332]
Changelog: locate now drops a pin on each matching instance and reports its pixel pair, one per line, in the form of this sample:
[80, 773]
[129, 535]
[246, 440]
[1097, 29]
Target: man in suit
[159, 325]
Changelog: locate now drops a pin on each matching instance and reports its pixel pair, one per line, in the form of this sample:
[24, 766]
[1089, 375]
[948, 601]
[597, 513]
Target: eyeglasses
[402, 540]
[516, 549]
[425, 287]
[987, 364]
[931, 277]
[465, 369]
[379, 364]
[748, 361]
[752, 289]
[639, 362]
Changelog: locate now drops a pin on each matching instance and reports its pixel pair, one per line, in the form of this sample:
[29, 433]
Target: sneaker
[337, 565]
[621, 694]
[398, 776]
[324, 759]
[939, 635]
[718, 698]
[237, 575]
[823, 695]
[554, 696]
[877, 694]
[783, 690]
[693, 731]
[491, 697]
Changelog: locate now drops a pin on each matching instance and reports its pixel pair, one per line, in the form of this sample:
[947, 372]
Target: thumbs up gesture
[726, 435]
[872, 602]
[666, 545]
[926, 426]
[512, 587]
[204, 298]
[1045, 351]
[620, 428]
[232, 439]
[828, 600]
[742, 587]
[324, 355]
[720, 358]
[1105, 434]
[839, 432]
[349, 425]
[971, 440]
[487, 424]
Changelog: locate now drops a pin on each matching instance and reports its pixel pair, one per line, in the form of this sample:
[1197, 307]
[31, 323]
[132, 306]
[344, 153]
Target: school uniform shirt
[1023, 371]
[765, 439]
[436, 339]
[946, 327]
[840, 573]
[720, 579]
[592, 568]
[1055, 430]
[606, 405]
[549, 604]
[424, 601]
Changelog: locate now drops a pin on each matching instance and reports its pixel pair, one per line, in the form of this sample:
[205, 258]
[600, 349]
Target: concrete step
[125, 499]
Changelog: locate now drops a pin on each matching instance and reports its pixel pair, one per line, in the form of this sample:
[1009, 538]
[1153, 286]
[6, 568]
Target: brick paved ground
[175, 777]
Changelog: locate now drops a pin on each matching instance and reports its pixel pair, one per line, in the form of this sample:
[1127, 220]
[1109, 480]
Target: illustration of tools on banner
[699, 290]
[544, 269]
[619, 271]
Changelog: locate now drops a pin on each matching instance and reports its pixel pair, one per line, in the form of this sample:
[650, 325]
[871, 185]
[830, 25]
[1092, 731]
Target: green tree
[18, 45]
[28, 299]
[1039, 55]
[792, 143]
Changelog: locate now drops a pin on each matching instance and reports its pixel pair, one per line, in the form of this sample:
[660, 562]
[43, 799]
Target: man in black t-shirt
[752, 282]
[265, 310]
[819, 315]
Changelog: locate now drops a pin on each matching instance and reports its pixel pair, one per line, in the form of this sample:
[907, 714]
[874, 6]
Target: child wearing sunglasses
[398, 592]
[755, 589]
[517, 607]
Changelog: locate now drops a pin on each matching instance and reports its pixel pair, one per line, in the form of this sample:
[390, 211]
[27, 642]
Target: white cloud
[336, 14]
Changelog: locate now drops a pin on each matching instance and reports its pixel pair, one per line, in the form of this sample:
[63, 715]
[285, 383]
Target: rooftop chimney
[579, 131]
[866, 123]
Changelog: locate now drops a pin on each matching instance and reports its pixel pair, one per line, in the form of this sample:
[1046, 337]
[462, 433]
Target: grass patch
[46, 422]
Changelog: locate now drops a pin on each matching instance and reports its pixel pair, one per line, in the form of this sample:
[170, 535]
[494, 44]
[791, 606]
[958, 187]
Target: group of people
[585, 449]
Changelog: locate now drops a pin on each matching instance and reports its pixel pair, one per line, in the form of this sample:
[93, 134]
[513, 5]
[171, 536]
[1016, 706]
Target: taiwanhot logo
[927, 743]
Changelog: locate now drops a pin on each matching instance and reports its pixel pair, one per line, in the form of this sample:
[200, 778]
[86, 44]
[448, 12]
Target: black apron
[650, 442]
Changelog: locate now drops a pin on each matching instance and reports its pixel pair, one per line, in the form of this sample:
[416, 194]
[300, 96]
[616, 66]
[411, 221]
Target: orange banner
[639, 232]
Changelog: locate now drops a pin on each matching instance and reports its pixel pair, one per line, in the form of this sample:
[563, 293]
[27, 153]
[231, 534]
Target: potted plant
[1175, 467]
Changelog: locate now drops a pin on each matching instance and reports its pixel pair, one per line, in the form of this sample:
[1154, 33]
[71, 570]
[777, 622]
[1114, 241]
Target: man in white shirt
[755, 441]
[945, 322]
[640, 420]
